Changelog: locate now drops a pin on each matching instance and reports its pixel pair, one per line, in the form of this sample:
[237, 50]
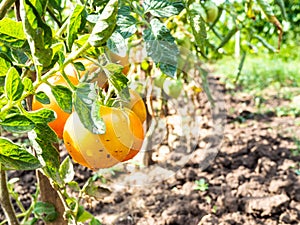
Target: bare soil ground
[251, 172]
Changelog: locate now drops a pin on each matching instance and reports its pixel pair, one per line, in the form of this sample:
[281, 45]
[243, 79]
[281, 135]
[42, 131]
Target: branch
[5, 200]
[4, 6]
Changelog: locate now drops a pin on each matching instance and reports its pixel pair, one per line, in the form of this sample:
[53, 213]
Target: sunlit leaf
[163, 8]
[14, 157]
[88, 108]
[63, 97]
[161, 47]
[66, 170]
[13, 85]
[17, 123]
[105, 25]
[38, 33]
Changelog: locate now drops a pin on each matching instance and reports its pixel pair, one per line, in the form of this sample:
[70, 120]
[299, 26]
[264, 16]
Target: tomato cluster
[124, 133]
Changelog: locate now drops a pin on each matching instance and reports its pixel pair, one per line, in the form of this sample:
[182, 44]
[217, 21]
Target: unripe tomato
[137, 105]
[124, 131]
[211, 11]
[61, 116]
[173, 87]
[159, 80]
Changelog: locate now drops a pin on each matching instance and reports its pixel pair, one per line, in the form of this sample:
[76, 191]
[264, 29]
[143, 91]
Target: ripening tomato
[61, 116]
[124, 132]
[137, 105]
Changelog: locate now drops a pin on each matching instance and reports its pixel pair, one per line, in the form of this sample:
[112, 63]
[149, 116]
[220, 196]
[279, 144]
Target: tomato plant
[68, 59]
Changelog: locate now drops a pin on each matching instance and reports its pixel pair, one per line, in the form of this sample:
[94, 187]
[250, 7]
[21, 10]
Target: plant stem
[4, 6]
[5, 200]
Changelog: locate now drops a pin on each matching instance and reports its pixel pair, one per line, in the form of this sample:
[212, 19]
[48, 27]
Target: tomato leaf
[105, 24]
[13, 85]
[66, 170]
[45, 211]
[17, 123]
[41, 116]
[198, 25]
[28, 86]
[43, 138]
[63, 97]
[15, 157]
[11, 33]
[126, 24]
[42, 97]
[160, 46]
[38, 33]
[76, 22]
[83, 215]
[87, 106]
[116, 43]
[163, 8]
[95, 221]
[4, 66]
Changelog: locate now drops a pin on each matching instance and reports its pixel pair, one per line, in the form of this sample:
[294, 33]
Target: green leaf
[42, 140]
[40, 5]
[83, 215]
[11, 33]
[116, 43]
[28, 86]
[66, 170]
[105, 24]
[41, 116]
[118, 80]
[17, 123]
[76, 21]
[13, 85]
[14, 157]
[163, 8]
[95, 221]
[125, 22]
[45, 211]
[161, 47]
[42, 97]
[4, 66]
[38, 33]
[198, 25]
[87, 106]
[63, 97]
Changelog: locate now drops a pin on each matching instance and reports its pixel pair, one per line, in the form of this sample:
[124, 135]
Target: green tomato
[173, 87]
[159, 80]
[211, 11]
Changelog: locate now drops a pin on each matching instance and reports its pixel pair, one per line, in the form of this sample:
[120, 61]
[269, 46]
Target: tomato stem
[5, 199]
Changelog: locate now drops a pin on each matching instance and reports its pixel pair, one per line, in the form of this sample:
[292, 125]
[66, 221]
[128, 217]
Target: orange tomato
[124, 131]
[61, 116]
[137, 105]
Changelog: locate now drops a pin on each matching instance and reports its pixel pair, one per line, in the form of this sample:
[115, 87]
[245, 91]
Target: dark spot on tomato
[108, 156]
[101, 150]
[107, 140]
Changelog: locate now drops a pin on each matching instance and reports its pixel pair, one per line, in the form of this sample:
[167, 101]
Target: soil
[248, 160]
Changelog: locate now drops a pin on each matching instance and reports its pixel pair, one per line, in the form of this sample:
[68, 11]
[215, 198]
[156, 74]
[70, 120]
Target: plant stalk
[4, 6]
[5, 200]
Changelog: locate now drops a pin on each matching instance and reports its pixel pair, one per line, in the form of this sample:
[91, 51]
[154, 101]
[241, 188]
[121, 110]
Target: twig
[5, 200]
[4, 6]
